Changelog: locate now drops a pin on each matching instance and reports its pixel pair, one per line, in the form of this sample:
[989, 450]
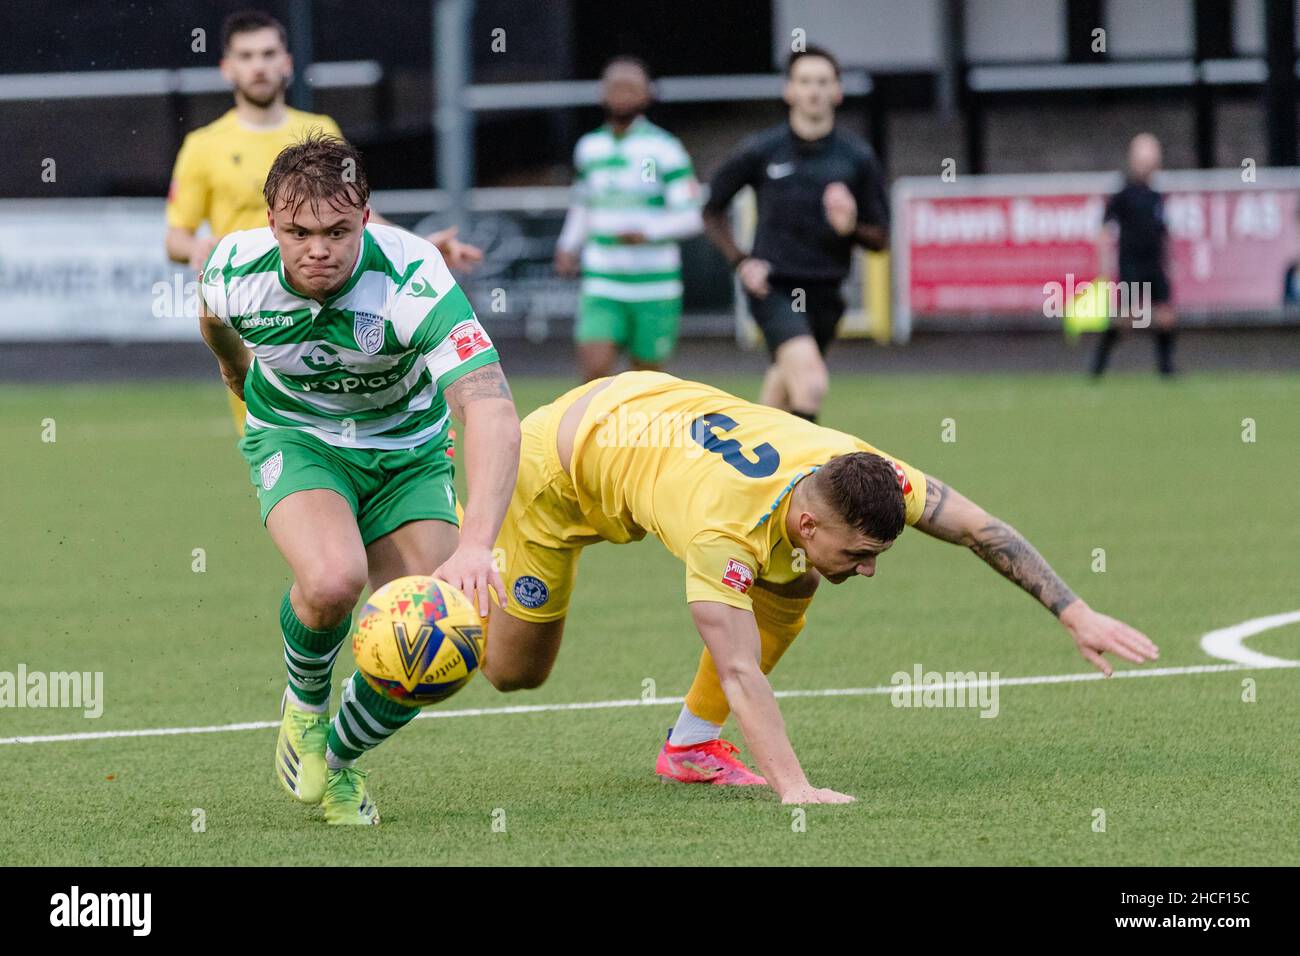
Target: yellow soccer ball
[418, 641]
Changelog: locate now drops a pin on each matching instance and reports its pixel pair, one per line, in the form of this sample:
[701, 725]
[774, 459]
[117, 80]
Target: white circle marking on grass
[1227, 642]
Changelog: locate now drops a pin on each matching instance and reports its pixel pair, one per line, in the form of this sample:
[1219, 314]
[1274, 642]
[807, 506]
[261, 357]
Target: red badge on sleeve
[738, 577]
[469, 339]
[902, 479]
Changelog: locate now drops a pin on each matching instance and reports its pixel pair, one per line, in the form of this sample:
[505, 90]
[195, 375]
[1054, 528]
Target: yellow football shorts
[544, 532]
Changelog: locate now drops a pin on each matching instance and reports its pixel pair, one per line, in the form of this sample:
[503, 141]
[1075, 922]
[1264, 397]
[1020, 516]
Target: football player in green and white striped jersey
[634, 196]
[353, 348]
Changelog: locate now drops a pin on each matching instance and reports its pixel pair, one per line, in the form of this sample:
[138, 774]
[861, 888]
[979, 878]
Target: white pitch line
[663, 701]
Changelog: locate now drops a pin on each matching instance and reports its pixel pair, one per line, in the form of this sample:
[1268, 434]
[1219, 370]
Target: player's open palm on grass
[813, 794]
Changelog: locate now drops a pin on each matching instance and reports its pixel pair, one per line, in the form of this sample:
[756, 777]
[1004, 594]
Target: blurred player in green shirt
[634, 197]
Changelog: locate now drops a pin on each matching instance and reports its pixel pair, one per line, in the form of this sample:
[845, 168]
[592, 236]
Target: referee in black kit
[1139, 212]
[820, 191]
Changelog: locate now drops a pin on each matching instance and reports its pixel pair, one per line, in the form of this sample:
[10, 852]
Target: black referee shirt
[789, 175]
[1140, 212]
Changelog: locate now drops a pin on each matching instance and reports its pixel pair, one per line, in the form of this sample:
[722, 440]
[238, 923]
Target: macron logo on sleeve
[469, 339]
[737, 576]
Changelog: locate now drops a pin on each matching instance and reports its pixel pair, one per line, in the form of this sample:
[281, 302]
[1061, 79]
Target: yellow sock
[780, 619]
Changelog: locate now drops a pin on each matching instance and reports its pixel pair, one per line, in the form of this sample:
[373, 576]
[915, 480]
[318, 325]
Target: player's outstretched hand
[1097, 634]
[458, 255]
[811, 794]
[471, 569]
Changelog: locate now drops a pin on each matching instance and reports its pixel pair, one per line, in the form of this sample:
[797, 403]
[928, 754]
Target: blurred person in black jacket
[820, 191]
[1139, 213]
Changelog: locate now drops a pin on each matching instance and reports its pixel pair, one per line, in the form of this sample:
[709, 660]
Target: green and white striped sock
[309, 656]
[364, 721]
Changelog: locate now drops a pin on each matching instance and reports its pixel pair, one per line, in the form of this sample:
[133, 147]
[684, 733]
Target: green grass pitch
[100, 528]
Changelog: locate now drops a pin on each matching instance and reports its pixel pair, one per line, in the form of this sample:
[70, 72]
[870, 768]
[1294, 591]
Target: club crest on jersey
[271, 469]
[903, 481]
[737, 576]
[469, 339]
[368, 329]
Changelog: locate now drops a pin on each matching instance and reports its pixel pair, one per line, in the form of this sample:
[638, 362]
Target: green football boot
[346, 801]
[300, 750]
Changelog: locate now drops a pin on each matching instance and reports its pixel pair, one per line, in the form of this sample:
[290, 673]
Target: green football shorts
[385, 489]
[646, 330]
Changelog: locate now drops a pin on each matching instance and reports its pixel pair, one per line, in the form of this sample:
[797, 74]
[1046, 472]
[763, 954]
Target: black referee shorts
[786, 313]
[1159, 283]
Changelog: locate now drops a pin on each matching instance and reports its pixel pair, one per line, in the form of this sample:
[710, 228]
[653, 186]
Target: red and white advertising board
[985, 247]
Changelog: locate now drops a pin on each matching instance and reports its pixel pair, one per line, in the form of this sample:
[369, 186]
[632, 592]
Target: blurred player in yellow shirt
[760, 505]
[221, 168]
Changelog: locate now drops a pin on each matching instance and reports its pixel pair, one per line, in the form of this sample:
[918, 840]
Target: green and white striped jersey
[641, 182]
[368, 367]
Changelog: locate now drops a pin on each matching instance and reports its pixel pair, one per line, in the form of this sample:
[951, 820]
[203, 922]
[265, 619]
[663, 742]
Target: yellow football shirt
[720, 504]
[221, 168]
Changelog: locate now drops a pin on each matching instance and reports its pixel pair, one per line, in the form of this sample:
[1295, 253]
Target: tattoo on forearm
[1006, 550]
[486, 382]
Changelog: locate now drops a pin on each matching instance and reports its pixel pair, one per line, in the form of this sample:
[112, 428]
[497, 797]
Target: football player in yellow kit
[760, 505]
[222, 167]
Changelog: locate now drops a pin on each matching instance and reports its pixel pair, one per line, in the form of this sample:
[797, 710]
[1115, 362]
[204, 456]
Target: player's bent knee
[511, 674]
[331, 593]
[519, 654]
[515, 680]
[804, 372]
[809, 386]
